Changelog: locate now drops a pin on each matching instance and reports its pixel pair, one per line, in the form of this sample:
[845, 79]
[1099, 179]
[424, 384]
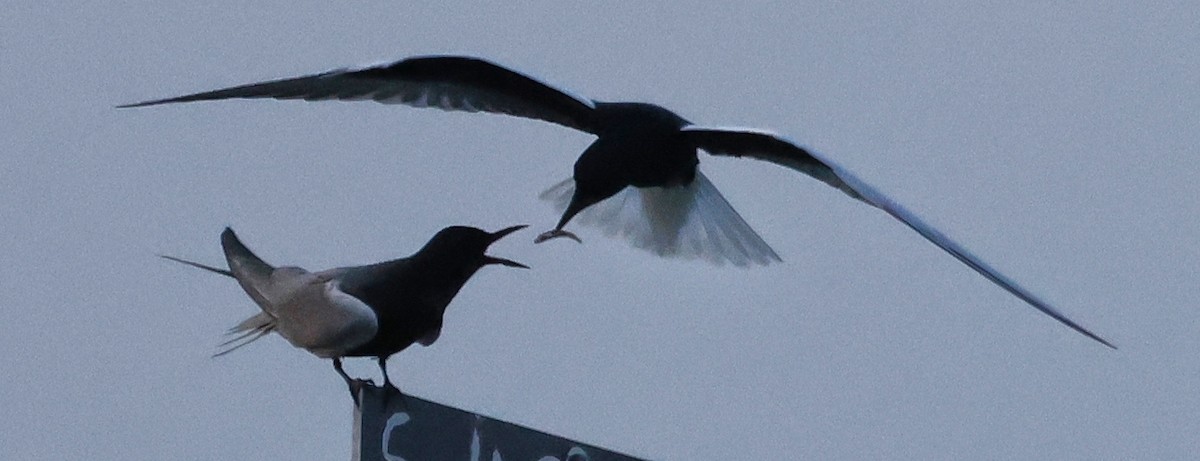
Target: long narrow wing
[198, 265]
[251, 272]
[453, 83]
[773, 148]
[307, 309]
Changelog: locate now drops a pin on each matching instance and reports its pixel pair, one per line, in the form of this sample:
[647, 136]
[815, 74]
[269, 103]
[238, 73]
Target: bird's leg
[388, 387]
[355, 385]
[387, 382]
[574, 208]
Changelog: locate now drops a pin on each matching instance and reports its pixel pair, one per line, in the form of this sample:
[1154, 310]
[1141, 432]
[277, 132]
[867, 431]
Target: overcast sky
[1055, 139]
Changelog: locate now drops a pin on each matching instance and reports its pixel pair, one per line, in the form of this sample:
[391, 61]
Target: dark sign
[414, 429]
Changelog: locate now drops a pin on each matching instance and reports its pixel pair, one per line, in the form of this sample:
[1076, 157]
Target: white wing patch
[693, 222]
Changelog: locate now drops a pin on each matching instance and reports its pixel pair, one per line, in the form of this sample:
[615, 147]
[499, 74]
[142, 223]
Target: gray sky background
[1055, 139]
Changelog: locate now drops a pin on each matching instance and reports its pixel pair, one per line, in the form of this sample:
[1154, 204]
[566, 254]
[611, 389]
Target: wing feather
[453, 83]
[776, 149]
[251, 272]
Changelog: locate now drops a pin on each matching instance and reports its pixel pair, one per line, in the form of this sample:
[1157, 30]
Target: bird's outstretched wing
[773, 148]
[762, 145]
[455, 83]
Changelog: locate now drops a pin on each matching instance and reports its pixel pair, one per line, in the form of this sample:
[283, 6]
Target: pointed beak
[488, 259]
[508, 230]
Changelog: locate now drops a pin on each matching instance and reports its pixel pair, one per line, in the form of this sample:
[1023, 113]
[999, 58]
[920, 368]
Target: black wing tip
[1099, 340]
[159, 102]
[140, 104]
[230, 240]
[1081, 330]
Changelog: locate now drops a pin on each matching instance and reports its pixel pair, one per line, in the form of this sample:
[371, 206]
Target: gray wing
[251, 272]
[775, 149]
[454, 83]
[307, 309]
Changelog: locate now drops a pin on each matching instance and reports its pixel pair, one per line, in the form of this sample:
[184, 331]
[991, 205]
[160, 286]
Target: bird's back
[640, 145]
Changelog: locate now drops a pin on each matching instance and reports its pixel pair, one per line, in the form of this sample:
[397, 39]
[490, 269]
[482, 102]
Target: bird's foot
[556, 233]
[388, 390]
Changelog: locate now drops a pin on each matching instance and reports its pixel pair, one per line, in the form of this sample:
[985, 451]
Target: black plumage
[374, 310]
[640, 175]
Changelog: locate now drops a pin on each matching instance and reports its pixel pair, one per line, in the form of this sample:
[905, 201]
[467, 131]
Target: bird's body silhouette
[639, 179]
[374, 310]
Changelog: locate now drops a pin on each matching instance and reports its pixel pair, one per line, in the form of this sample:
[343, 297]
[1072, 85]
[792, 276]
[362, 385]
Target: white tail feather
[251, 329]
[675, 222]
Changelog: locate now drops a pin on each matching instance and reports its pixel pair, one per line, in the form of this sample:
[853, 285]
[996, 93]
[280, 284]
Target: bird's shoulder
[353, 279]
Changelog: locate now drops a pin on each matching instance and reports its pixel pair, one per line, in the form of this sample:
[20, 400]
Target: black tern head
[469, 244]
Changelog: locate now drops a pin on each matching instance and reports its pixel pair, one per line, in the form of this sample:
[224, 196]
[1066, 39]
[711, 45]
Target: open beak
[488, 259]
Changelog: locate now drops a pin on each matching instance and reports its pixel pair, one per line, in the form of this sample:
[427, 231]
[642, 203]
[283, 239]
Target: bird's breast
[640, 158]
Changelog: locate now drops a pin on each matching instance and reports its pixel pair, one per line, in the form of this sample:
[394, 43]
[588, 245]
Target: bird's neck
[436, 273]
